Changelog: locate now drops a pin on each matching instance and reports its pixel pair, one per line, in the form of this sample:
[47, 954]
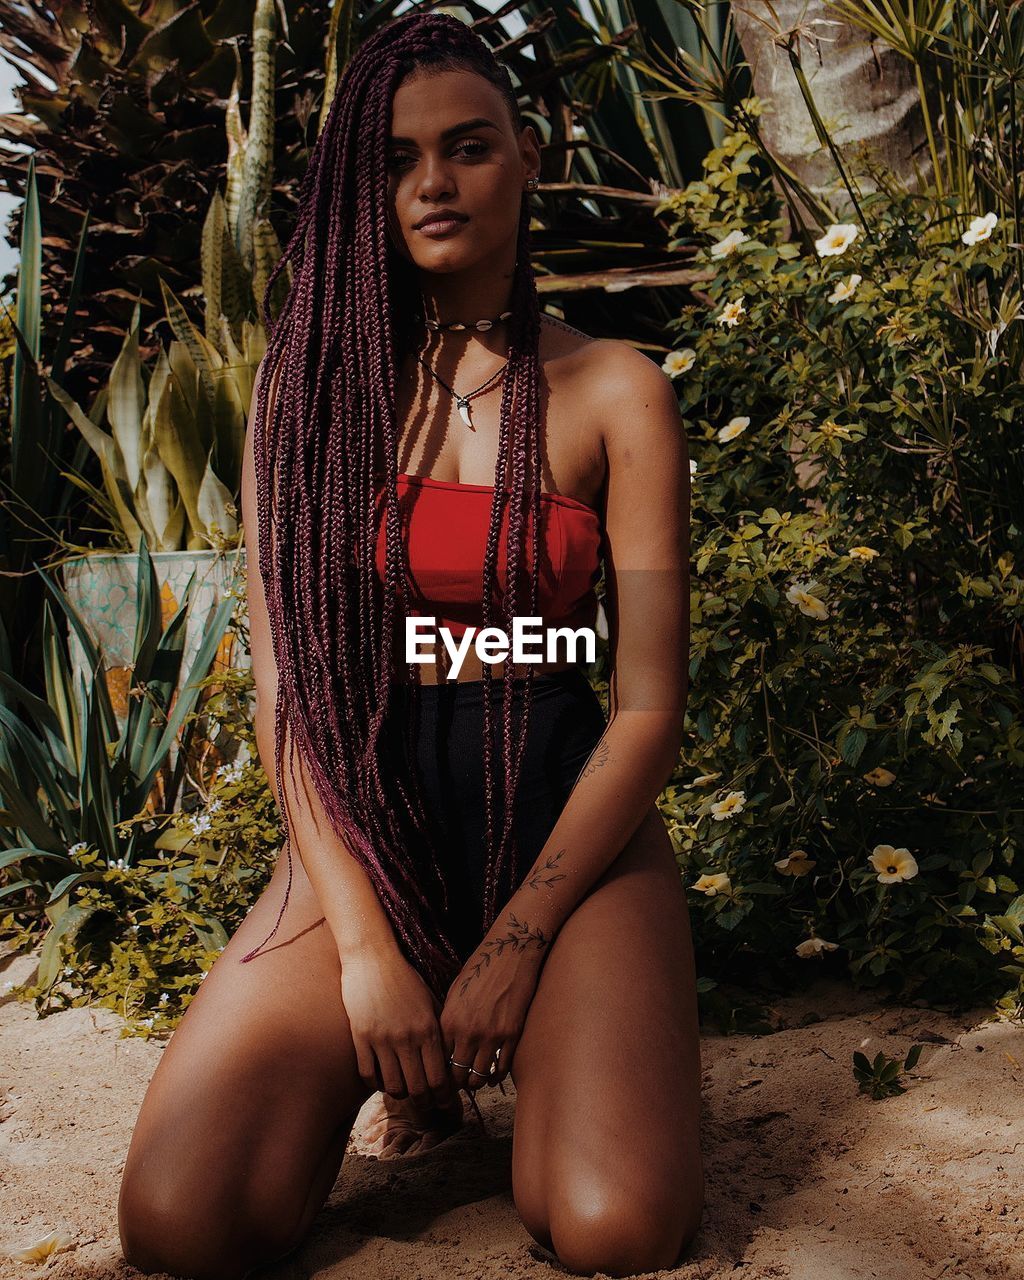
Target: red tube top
[444, 524]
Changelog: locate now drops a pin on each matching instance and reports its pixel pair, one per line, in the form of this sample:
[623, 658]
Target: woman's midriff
[472, 669]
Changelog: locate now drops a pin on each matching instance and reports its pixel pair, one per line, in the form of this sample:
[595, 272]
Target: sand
[806, 1178]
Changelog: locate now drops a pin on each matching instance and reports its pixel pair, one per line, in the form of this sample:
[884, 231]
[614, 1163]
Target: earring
[532, 184]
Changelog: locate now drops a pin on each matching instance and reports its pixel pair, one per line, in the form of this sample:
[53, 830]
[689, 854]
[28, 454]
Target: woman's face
[453, 146]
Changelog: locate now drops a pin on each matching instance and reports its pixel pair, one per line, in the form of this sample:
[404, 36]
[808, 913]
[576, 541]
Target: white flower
[893, 864]
[814, 947]
[862, 553]
[980, 228]
[164, 997]
[731, 312]
[724, 247]
[42, 1250]
[680, 361]
[802, 596]
[693, 468]
[712, 884]
[845, 289]
[200, 822]
[215, 805]
[729, 807]
[837, 239]
[118, 862]
[75, 849]
[733, 428]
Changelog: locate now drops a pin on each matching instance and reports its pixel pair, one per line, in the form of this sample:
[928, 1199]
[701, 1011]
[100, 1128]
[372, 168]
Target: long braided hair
[342, 333]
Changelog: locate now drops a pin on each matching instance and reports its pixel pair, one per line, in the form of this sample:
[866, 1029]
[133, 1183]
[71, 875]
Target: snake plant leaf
[226, 286]
[258, 156]
[179, 443]
[266, 252]
[112, 466]
[217, 510]
[126, 403]
[228, 433]
[234, 130]
[164, 504]
[197, 347]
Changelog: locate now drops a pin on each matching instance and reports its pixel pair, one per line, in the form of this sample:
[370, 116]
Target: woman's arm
[347, 897]
[647, 581]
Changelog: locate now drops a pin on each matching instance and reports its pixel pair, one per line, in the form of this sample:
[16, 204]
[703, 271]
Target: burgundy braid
[335, 349]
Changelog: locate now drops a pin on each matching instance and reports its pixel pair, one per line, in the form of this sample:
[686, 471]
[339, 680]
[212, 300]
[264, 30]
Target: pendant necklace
[462, 402]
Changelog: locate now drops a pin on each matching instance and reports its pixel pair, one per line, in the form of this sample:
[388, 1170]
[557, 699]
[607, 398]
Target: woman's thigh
[245, 1121]
[606, 1154]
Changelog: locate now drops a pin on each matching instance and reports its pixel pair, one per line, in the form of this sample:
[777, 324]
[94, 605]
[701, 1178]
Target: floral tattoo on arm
[520, 937]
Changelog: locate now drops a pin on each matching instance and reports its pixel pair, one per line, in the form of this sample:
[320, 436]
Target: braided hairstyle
[342, 332]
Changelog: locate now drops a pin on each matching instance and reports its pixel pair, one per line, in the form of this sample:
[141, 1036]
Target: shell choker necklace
[455, 326]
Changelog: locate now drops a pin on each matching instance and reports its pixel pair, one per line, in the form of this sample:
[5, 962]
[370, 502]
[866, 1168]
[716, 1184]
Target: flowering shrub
[854, 408]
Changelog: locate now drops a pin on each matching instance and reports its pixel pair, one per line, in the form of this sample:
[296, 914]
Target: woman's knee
[618, 1234]
[194, 1232]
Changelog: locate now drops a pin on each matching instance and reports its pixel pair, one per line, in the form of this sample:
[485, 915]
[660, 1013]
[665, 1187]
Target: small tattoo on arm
[536, 878]
[520, 937]
[597, 761]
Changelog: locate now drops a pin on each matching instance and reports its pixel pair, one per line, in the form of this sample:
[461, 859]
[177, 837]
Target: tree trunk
[865, 93]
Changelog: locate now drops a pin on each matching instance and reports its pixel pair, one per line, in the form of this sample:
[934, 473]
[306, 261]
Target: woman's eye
[471, 147]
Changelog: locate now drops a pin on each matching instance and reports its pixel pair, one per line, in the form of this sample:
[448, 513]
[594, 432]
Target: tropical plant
[856, 716]
[69, 781]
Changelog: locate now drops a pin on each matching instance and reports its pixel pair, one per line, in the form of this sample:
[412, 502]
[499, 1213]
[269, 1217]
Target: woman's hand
[393, 1016]
[485, 1011]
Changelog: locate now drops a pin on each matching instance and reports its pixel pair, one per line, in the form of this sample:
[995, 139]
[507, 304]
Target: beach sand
[807, 1179]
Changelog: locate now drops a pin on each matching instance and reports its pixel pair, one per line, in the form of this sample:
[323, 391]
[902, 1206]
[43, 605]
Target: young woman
[482, 885]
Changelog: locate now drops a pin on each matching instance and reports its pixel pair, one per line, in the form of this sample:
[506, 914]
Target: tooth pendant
[463, 406]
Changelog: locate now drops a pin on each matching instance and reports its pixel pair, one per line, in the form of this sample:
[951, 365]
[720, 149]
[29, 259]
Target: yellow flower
[805, 600]
[677, 362]
[845, 289]
[837, 239]
[796, 864]
[980, 228]
[705, 779]
[862, 553]
[728, 245]
[731, 312]
[814, 947]
[830, 428]
[733, 428]
[893, 864]
[879, 777]
[712, 884]
[729, 807]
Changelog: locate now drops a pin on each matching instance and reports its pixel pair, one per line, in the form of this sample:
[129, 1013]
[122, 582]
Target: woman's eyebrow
[479, 122]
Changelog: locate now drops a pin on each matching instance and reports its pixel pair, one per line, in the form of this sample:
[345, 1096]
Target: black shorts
[566, 723]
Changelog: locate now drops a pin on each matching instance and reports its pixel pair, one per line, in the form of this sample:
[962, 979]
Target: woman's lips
[437, 230]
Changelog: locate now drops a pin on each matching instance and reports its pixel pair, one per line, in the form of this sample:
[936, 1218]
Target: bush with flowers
[851, 780]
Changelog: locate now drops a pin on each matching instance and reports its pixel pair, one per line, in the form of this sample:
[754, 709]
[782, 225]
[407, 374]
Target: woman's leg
[245, 1121]
[606, 1166]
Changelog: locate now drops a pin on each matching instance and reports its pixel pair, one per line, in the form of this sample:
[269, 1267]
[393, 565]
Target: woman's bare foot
[400, 1128]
